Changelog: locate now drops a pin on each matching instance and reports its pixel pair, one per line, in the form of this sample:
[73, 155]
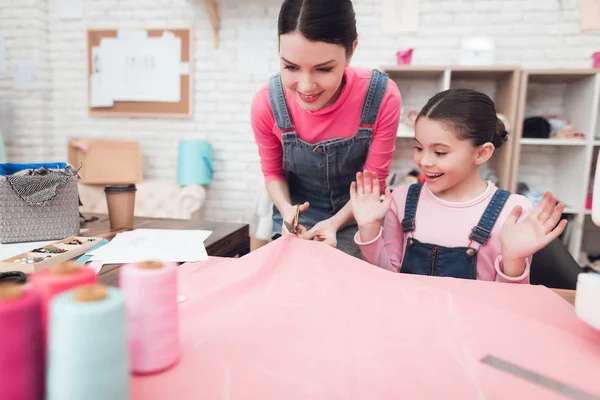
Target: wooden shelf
[559, 75]
[574, 93]
[213, 13]
[554, 142]
[414, 72]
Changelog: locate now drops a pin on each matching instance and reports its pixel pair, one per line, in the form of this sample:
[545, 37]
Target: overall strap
[278, 104]
[410, 208]
[481, 233]
[375, 93]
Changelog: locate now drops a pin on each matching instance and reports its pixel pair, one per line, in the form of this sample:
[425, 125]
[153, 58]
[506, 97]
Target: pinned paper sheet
[184, 68]
[400, 16]
[100, 91]
[297, 319]
[135, 67]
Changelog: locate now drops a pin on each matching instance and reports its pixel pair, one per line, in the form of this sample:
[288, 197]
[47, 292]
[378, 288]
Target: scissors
[293, 227]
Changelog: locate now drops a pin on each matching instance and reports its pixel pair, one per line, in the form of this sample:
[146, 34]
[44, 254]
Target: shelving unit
[418, 84]
[563, 166]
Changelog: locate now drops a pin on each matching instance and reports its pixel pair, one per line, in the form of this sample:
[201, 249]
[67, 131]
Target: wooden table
[227, 239]
[568, 295]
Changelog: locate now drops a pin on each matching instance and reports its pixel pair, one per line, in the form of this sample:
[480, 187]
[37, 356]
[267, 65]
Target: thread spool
[587, 298]
[21, 344]
[150, 290]
[87, 345]
[58, 279]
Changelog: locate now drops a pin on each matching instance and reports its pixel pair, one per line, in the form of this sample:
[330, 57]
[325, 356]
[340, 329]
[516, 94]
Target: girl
[455, 224]
[320, 121]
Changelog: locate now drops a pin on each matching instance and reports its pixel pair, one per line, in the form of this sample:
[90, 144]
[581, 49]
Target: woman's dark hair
[330, 21]
[470, 113]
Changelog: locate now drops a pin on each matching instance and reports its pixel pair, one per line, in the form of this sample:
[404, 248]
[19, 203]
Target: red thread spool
[57, 279]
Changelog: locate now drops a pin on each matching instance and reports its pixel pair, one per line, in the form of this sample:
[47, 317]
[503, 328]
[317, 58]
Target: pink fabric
[340, 120]
[445, 224]
[298, 319]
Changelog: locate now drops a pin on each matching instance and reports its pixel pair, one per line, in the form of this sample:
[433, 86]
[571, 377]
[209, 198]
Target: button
[410, 242]
[471, 252]
[319, 150]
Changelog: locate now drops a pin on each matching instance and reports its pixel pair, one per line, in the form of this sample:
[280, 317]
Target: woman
[320, 121]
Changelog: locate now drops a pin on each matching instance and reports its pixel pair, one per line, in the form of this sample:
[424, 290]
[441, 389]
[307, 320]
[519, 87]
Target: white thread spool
[587, 298]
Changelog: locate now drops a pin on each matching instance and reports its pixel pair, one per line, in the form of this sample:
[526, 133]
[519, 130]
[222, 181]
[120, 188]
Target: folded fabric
[9, 168]
[39, 186]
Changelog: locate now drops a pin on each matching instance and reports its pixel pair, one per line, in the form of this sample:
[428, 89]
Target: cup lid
[120, 188]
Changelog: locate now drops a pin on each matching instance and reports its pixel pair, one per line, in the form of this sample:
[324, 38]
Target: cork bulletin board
[102, 100]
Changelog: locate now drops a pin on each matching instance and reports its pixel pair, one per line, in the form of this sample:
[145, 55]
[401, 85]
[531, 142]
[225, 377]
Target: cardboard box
[106, 162]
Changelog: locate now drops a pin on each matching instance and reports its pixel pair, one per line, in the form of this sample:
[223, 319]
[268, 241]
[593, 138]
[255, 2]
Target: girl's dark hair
[331, 21]
[470, 113]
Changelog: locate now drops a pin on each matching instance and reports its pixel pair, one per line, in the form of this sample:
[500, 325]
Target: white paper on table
[198, 234]
[400, 16]
[153, 244]
[11, 250]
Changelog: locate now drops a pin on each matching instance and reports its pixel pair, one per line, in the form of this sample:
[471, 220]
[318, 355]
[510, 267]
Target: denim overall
[321, 173]
[458, 262]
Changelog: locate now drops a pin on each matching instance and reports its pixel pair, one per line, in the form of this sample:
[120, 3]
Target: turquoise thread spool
[87, 346]
[194, 163]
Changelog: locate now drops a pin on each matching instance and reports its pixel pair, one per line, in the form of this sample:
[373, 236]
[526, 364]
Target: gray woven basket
[23, 222]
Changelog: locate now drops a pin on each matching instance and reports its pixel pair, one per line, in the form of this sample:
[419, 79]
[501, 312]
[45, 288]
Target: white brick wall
[23, 25]
[540, 33]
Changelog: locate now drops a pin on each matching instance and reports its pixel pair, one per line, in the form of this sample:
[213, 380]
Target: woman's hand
[289, 216]
[324, 231]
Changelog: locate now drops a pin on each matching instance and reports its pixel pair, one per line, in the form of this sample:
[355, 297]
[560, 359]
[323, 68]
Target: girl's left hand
[324, 231]
[521, 240]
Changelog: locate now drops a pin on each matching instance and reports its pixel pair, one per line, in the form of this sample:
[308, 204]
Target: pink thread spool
[404, 57]
[150, 290]
[596, 58]
[21, 344]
